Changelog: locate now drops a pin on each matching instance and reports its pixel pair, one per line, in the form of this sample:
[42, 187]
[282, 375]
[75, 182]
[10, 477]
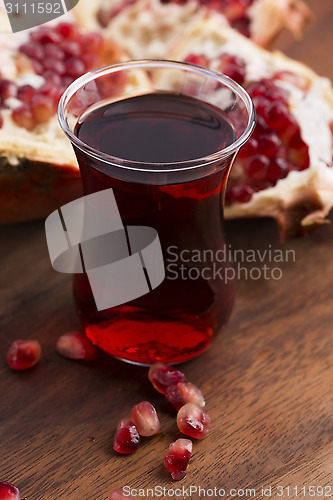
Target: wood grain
[268, 380]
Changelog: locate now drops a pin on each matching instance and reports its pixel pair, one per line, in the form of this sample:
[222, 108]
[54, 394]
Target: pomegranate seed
[45, 35]
[278, 169]
[33, 50]
[242, 25]
[235, 10]
[90, 61]
[241, 193]
[74, 67]
[42, 108]
[193, 421]
[91, 43]
[23, 117]
[66, 81]
[67, 31]
[182, 393]
[178, 457]
[54, 51]
[55, 65]
[52, 77]
[145, 419]
[161, 376]
[75, 345]
[256, 167]
[1, 121]
[249, 148]
[269, 144]
[198, 59]
[23, 354]
[232, 66]
[127, 438]
[119, 495]
[7, 89]
[9, 492]
[25, 93]
[261, 104]
[299, 81]
[71, 48]
[277, 116]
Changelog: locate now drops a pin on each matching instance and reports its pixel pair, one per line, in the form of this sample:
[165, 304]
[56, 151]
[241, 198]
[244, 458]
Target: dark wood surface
[268, 379]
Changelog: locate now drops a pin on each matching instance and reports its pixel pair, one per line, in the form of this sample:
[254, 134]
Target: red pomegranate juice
[177, 320]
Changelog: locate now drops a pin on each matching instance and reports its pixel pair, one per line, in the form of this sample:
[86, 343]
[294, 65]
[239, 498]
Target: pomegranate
[182, 393]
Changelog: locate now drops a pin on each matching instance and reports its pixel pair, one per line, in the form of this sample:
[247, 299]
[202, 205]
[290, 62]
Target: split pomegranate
[145, 419]
[127, 437]
[193, 421]
[75, 345]
[162, 376]
[182, 393]
[9, 492]
[177, 459]
[23, 354]
[59, 54]
[276, 146]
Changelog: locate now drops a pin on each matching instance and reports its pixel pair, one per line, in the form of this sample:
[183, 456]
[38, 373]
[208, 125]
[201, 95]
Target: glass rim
[157, 167]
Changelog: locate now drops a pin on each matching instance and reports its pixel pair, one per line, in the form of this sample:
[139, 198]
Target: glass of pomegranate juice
[155, 141]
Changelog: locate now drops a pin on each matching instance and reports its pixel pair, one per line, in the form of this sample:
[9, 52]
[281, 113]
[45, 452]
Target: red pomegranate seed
[7, 89]
[235, 9]
[161, 376]
[269, 144]
[241, 193]
[25, 93]
[178, 457]
[250, 148]
[38, 67]
[67, 31]
[75, 345]
[182, 393]
[1, 121]
[90, 61]
[120, 495]
[278, 169]
[33, 50]
[52, 77]
[55, 65]
[277, 116]
[23, 354]
[45, 35]
[91, 43]
[42, 108]
[23, 117]
[256, 167]
[74, 67]
[242, 25]
[193, 421]
[71, 48]
[232, 66]
[145, 419]
[54, 51]
[9, 492]
[127, 438]
[199, 59]
[299, 81]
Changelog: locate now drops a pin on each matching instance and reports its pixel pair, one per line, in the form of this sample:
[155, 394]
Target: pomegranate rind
[158, 24]
[301, 201]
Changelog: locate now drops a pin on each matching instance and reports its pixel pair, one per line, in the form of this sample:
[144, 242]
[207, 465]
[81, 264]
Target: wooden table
[268, 380]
